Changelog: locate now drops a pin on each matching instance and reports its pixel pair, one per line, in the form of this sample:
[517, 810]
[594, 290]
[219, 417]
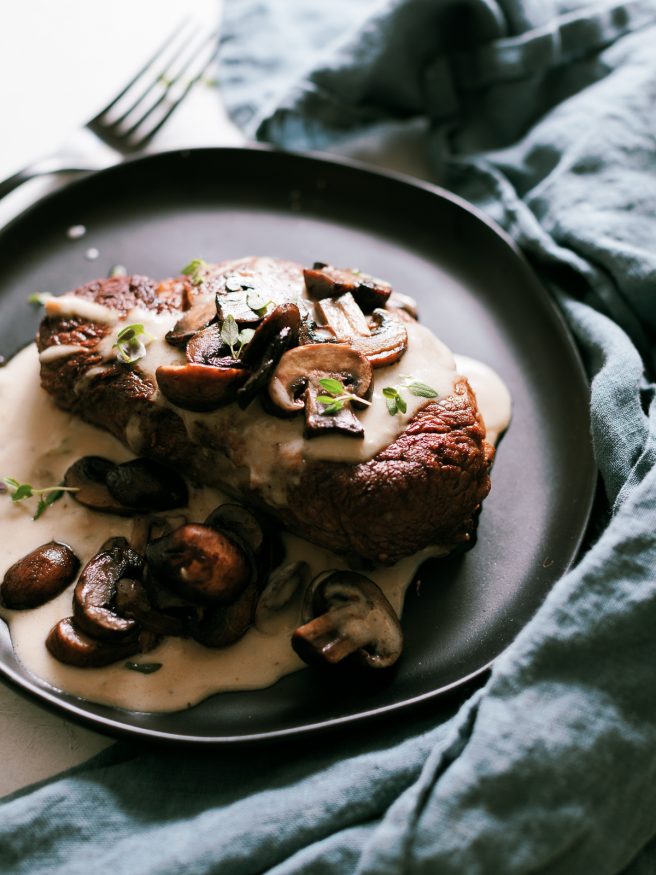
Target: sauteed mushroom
[95, 591]
[295, 385]
[220, 625]
[39, 576]
[344, 317]
[195, 319]
[325, 281]
[199, 387]
[200, 564]
[207, 347]
[259, 379]
[133, 603]
[349, 618]
[387, 341]
[70, 645]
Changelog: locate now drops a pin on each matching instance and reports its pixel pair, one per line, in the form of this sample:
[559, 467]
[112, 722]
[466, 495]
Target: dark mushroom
[325, 281]
[260, 534]
[194, 320]
[350, 619]
[199, 387]
[39, 576]
[207, 347]
[88, 476]
[68, 644]
[259, 379]
[283, 316]
[200, 564]
[95, 591]
[222, 625]
[145, 485]
[133, 603]
[404, 305]
[137, 486]
[295, 385]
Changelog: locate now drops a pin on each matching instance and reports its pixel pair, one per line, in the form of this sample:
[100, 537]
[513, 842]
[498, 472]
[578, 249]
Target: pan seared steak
[251, 421]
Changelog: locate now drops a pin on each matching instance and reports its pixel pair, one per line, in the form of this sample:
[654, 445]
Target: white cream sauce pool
[38, 442]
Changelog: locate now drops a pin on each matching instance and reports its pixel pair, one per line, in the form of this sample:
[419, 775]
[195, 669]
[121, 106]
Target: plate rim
[46, 695]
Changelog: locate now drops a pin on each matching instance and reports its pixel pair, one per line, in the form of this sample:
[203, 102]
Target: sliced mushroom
[383, 339]
[146, 485]
[325, 281]
[201, 564]
[344, 317]
[88, 476]
[68, 644]
[236, 518]
[283, 316]
[295, 385]
[39, 576]
[350, 619]
[137, 486]
[133, 603]
[259, 379]
[404, 305]
[95, 591]
[199, 387]
[207, 347]
[232, 300]
[219, 626]
[194, 320]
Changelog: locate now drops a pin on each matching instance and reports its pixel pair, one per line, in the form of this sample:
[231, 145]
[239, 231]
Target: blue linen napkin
[542, 113]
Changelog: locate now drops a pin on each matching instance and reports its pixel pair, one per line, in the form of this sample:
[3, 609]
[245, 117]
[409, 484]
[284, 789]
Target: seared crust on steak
[424, 489]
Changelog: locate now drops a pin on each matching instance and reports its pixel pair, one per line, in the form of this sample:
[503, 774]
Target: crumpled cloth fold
[543, 115]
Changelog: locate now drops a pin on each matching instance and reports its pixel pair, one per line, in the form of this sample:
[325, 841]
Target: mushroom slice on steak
[344, 317]
[283, 316]
[295, 385]
[70, 645]
[387, 341]
[201, 564]
[199, 387]
[325, 281]
[137, 486]
[39, 576]
[207, 347]
[194, 320]
[350, 618]
[259, 379]
[95, 591]
[404, 305]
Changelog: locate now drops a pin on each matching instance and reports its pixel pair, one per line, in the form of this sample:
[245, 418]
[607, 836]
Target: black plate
[475, 290]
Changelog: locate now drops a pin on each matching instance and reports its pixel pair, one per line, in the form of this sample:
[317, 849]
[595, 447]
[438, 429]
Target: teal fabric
[542, 113]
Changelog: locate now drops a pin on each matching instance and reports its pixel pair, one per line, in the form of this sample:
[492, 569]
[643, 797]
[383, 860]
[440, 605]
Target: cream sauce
[40, 443]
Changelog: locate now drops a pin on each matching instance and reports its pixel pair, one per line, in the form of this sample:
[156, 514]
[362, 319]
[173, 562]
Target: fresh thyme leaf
[325, 399]
[334, 407]
[390, 392]
[47, 496]
[230, 332]
[245, 336]
[331, 386]
[144, 667]
[392, 408]
[420, 389]
[129, 348]
[194, 270]
[257, 303]
[400, 403]
[394, 401]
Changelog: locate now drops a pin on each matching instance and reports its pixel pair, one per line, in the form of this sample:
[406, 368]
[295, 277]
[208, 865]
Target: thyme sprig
[47, 495]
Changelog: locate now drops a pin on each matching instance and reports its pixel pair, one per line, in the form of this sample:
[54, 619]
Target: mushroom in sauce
[39, 576]
[199, 387]
[325, 281]
[348, 618]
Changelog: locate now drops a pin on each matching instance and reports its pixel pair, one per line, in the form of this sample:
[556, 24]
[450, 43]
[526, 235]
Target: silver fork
[130, 121]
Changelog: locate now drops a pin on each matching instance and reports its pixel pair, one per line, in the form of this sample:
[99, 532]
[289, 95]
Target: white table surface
[59, 63]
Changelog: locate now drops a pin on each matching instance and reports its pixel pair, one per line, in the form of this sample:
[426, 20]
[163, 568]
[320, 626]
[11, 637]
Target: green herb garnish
[233, 337]
[394, 401]
[418, 388]
[129, 347]
[337, 395]
[47, 496]
[194, 270]
[144, 667]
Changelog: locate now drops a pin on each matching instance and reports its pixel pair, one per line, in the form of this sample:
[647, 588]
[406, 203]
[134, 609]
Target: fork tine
[173, 81]
[160, 77]
[174, 105]
[167, 42]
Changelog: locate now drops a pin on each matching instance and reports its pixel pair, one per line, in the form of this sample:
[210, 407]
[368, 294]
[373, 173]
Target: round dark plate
[475, 290]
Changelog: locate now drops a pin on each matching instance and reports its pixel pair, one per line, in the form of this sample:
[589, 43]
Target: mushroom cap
[68, 644]
[193, 321]
[307, 364]
[39, 576]
[199, 387]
